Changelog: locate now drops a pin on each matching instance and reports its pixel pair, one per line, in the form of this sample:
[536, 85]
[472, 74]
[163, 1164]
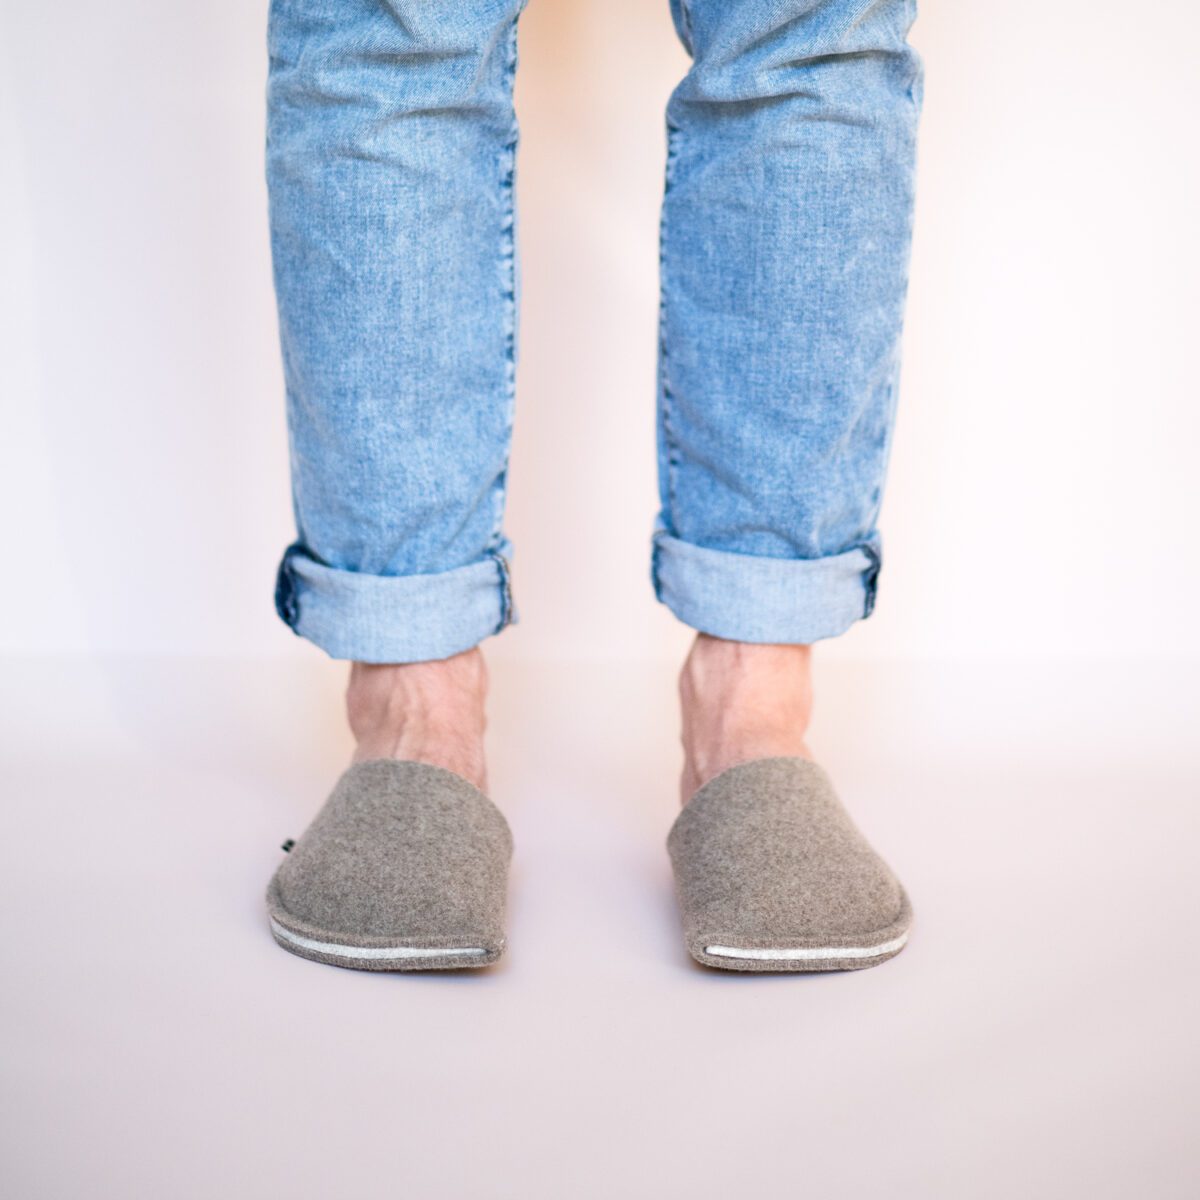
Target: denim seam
[670, 443]
[508, 277]
[655, 570]
[506, 599]
[685, 13]
[870, 577]
[287, 600]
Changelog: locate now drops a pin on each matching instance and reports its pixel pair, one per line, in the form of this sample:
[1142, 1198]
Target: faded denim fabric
[785, 233]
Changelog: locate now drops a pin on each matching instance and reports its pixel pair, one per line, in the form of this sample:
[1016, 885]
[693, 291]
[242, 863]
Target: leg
[785, 241]
[391, 144]
[390, 155]
[391, 141]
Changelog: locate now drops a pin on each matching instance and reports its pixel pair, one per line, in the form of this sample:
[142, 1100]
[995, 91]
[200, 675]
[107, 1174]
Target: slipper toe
[404, 868]
[773, 875]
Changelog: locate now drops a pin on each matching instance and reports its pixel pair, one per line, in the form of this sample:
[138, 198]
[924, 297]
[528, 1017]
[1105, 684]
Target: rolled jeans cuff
[751, 598]
[394, 618]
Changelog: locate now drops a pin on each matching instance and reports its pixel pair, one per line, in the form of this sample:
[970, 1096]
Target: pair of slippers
[406, 868]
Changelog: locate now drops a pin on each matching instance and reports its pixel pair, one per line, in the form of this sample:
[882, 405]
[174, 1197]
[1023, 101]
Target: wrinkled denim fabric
[785, 232]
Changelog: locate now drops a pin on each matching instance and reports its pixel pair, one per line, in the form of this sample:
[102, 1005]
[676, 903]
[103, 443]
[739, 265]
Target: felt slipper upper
[402, 855]
[767, 861]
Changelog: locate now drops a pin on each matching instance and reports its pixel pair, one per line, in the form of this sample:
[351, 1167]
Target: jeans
[784, 242]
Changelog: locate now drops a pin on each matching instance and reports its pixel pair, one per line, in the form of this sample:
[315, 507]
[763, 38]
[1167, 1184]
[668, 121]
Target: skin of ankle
[430, 712]
[741, 701]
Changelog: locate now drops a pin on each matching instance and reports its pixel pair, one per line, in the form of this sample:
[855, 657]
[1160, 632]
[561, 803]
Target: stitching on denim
[870, 577]
[655, 551]
[670, 443]
[287, 600]
[685, 14]
[506, 596]
[508, 275]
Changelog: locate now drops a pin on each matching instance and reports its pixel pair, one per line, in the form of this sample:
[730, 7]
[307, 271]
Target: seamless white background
[1043, 489]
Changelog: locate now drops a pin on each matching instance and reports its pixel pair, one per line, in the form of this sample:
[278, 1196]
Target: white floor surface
[1037, 1037]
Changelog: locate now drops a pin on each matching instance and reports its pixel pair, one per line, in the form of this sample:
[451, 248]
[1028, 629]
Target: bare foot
[741, 701]
[431, 712]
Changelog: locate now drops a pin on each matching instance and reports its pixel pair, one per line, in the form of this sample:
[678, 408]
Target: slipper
[405, 868]
[772, 875]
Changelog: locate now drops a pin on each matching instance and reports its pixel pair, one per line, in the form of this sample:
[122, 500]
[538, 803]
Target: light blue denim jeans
[785, 235]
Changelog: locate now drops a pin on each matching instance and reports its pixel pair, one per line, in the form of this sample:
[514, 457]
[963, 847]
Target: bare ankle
[742, 701]
[431, 711]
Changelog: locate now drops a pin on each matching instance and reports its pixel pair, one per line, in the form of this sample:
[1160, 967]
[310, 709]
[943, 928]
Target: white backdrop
[1043, 488]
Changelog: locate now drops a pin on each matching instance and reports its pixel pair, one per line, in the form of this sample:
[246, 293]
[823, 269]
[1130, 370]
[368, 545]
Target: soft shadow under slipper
[404, 868]
[772, 875]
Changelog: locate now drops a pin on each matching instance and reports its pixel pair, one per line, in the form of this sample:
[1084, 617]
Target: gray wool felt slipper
[772, 875]
[404, 868]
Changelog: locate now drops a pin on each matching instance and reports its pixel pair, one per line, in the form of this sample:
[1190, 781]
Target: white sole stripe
[807, 953]
[372, 952]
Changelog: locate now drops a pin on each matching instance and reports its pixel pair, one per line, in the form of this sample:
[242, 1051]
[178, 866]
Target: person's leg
[391, 140]
[784, 254]
[390, 150]
[785, 241]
